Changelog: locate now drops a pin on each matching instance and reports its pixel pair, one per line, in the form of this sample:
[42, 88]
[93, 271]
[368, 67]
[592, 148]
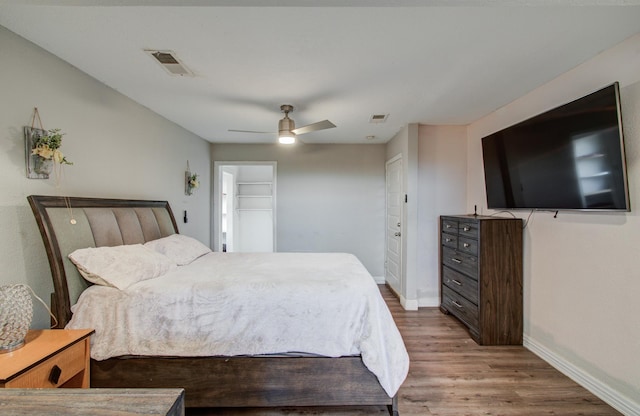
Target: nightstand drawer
[49, 358]
[67, 363]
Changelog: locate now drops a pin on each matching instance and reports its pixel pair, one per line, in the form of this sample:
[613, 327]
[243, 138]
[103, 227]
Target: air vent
[168, 60]
[378, 118]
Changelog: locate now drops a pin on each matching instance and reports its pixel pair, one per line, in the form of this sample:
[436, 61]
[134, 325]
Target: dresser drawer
[461, 262]
[70, 362]
[449, 226]
[461, 284]
[468, 229]
[460, 307]
[468, 246]
[449, 240]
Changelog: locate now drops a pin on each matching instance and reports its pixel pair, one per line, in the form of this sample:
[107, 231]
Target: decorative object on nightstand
[50, 358]
[16, 312]
[191, 181]
[42, 149]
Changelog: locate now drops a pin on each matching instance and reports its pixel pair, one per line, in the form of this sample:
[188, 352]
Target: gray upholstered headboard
[69, 223]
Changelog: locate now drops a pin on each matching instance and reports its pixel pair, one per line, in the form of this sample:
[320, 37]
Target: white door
[395, 197]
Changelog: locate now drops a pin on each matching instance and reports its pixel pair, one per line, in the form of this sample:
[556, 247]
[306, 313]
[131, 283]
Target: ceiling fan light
[286, 137]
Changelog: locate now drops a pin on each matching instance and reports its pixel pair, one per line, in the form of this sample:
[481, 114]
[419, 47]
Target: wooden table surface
[40, 344]
[94, 402]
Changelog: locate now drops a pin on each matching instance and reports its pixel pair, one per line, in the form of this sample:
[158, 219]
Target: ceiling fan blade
[320, 125]
[252, 131]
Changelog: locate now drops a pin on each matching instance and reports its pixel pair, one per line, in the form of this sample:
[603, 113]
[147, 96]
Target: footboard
[250, 381]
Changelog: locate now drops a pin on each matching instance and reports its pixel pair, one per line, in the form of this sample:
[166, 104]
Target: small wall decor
[42, 149]
[190, 181]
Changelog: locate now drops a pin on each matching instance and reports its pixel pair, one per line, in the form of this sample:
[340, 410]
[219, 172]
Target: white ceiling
[417, 61]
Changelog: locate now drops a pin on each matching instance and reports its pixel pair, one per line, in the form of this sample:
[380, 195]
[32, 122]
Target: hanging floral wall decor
[190, 181]
[42, 149]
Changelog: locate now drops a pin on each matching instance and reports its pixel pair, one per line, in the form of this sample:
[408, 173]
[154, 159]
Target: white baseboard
[429, 302]
[409, 304]
[621, 403]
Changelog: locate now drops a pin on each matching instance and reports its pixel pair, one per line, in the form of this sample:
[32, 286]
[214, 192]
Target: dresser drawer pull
[448, 240]
[466, 245]
[457, 304]
[447, 226]
[467, 229]
[456, 282]
[455, 260]
[54, 375]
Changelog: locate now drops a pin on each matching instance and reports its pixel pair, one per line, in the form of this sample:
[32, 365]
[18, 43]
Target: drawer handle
[466, 245]
[455, 260]
[456, 282]
[467, 229]
[54, 375]
[447, 226]
[448, 240]
[457, 304]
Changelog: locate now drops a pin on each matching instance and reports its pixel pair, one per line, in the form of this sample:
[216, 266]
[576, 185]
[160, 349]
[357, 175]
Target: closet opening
[245, 207]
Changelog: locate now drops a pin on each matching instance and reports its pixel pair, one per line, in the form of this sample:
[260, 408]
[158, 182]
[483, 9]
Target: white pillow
[120, 266]
[179, 248]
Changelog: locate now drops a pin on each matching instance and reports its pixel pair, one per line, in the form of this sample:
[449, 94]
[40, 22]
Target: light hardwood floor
[451, 375]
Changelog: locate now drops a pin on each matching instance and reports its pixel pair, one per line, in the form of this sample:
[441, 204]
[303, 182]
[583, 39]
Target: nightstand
[50, 358]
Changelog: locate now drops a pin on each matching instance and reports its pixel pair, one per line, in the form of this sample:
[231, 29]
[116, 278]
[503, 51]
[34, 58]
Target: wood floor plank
[451, 375]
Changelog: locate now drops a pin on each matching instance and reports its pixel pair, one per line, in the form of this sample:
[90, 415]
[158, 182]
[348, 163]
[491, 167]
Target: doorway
[394, 222]
[244, 207]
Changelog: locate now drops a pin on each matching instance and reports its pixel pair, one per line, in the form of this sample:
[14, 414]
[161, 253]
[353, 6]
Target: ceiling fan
[287, 130]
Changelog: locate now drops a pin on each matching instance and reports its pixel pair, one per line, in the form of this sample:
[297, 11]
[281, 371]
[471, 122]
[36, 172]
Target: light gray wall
[330, 198]
[581, 270]
[442, 173]
[435, 171]
[119, 149]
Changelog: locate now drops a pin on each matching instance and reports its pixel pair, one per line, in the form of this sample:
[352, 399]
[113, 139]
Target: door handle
[397, 234]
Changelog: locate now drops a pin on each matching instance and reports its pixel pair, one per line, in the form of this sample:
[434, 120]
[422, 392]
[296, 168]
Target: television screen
[571, 157]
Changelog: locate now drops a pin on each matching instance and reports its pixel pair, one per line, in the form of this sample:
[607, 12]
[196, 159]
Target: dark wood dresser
[481, 276]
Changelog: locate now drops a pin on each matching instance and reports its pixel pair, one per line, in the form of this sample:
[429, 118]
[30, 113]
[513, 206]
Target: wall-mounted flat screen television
[571, 157]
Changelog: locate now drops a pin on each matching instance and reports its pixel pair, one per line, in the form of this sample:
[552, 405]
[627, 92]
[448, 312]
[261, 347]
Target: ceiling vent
[168, 60]
[378, 118]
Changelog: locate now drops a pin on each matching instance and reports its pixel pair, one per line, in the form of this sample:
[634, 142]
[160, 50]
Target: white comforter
[249, 304]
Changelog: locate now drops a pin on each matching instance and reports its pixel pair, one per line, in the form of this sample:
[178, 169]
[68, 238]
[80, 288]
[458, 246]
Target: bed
[368, 373]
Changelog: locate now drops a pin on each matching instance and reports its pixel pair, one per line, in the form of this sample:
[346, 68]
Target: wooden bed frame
[68, 223]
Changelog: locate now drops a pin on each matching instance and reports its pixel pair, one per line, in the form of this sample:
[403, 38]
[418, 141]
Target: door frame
[216, 198]
[402, 227]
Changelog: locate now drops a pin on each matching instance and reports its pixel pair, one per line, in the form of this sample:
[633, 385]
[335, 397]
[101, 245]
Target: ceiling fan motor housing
[286, 124]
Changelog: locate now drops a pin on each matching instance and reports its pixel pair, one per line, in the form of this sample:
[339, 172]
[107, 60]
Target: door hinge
[405, 198]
